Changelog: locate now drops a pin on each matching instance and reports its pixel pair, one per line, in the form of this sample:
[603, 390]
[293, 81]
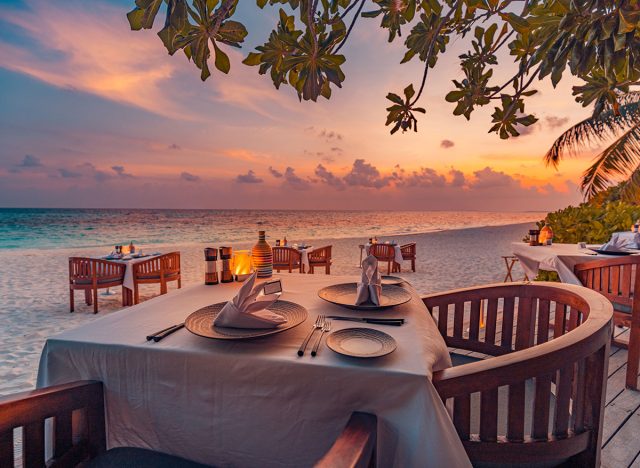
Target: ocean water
[72, 228]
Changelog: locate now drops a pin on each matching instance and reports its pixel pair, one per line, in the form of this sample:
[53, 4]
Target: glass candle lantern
[226, 275]
[242, 267]
[211, 265]
[533, 236]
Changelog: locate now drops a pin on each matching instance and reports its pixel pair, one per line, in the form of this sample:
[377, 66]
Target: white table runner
[256, 403]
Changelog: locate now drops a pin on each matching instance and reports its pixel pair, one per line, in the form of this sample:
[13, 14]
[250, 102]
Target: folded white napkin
[615, 245]
[370, 285]
[636, 241]
[247, 308]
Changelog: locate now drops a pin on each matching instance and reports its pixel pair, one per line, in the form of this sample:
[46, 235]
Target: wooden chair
[384, 253]
[287, 258]
[320, 258]
[617, 279]
[409, 253]
[161, 269]
[538, 399]
[79, 435]
[91, 274]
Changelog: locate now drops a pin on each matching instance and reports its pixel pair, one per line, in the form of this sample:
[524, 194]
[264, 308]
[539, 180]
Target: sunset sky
[94, 115]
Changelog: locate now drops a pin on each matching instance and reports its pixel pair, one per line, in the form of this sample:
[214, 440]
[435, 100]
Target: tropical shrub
[591, 223]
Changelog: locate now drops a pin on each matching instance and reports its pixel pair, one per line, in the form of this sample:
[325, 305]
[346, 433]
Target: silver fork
[325, 329]
[316, 326]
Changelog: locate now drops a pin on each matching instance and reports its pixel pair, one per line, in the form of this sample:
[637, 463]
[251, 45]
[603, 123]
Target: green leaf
[222, 60]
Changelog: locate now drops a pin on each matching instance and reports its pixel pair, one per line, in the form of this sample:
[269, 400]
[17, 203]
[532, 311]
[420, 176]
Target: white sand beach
[34, 300]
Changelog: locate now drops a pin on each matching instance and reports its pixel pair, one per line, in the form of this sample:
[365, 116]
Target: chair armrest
[77, 436]
[355, 447]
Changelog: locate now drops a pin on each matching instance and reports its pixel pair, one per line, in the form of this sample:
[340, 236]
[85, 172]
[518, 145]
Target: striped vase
[262, 257]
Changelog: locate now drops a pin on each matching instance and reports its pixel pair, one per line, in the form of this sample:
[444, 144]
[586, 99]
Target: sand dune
[34, 300]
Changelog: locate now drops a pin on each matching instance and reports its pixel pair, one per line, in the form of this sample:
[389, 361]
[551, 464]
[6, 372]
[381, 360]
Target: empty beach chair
[157, 270]
[319, 258]
[91, 274]
[286, 258]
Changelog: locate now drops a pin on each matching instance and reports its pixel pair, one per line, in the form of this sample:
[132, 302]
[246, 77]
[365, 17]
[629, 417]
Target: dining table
[129, 260]
[561, 258]
[256, 402]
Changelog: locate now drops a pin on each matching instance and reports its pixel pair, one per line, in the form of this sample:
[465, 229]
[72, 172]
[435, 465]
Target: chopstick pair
[157, 336]
[375, 321]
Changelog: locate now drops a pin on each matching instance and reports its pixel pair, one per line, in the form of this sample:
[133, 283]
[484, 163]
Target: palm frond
[607, 125]
[621, 158]
[630, 188]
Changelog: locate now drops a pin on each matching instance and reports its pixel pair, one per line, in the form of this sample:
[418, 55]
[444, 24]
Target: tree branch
[353, 22]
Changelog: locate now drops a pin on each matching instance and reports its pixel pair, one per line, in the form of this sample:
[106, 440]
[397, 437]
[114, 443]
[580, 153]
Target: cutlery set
[323, 324]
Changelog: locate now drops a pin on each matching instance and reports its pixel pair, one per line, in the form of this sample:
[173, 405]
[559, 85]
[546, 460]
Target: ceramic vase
[262, 257]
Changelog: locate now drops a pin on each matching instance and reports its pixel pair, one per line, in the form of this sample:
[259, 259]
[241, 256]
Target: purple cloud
[329, 177]
[363, 174]
[446, 144]
[188, 177]
[275, 173]
[249, 178]
[294, 181]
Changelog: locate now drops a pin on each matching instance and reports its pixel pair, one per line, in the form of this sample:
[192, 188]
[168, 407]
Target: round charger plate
[345, 295]
[361, 342]
[387, 279]
[616, 253]
[201, 322]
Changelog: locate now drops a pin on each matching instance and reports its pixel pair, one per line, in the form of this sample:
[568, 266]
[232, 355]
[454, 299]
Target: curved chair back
[96, 272]
[615, 278]
[618, 279]
[165, 265]
[320, 255]
[286, 257]
[383, 252]
[408, 251]
[550, 344]
[320, 258]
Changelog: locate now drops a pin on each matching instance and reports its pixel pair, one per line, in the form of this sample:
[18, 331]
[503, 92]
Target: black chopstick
[153, 335]
[168, 332]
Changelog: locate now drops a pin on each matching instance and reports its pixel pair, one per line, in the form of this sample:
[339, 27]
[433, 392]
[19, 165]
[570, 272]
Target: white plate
[361, 342]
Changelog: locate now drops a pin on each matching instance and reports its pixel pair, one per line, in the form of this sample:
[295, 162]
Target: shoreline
[34, 250]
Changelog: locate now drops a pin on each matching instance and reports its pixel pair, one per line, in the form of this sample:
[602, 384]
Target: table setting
[296, 363]
[562, 258]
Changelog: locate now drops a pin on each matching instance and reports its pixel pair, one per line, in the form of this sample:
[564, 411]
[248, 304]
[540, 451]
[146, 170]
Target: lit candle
[242, 267]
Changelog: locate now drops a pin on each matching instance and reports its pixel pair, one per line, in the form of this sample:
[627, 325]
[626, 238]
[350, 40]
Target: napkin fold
[247, 308]
[616, 244]
[370, 285]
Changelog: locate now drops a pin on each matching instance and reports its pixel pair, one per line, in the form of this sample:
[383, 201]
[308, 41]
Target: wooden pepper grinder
[211, 265]
[226, 275]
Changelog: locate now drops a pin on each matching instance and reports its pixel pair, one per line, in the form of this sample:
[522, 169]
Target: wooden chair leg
[413, 265]
[179, 282]
[136, 294]
[389, 267]
[327, 269]
[71, 300]
[95, 301]
[87, 296]
[633, 358]
[124, 296]
[163, 285]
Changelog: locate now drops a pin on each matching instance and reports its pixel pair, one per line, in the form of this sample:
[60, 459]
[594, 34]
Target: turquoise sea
[39, 228]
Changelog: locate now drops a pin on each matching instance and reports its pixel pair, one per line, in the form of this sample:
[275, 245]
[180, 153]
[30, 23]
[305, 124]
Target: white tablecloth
[256, 403]
[304, 257]
[128, 272]
[561, 258]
